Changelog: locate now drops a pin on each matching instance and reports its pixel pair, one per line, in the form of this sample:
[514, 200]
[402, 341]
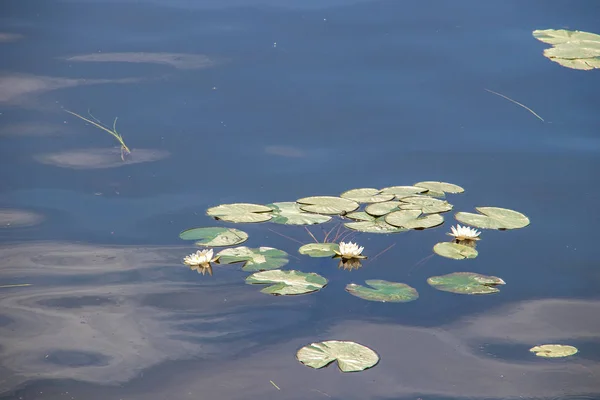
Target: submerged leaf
[260, 259]
[413, 219]
[554, 350]
[288, 282]
[214, 236]
[289, 213]
[440, 187]
[571, 49]
[453, 250]
[241, 212]
[351, 356]
[327, 205]
[427, 205]
[367, 195]
[377, 225]
[319, 249]
[466, 283]
[494, 218]
[385, 291]
[381, 209]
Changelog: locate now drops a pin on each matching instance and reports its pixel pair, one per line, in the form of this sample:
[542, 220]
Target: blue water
[264, 101]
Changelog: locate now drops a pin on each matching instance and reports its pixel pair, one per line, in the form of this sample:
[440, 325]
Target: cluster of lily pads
[389, 210]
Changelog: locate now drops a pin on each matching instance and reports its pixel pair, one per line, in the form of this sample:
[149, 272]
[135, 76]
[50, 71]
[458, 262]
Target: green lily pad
[381, 209]
[289, 213]
[456, 251]
[351, 356]
[241, 212]
[413, 219]
[385, 291]
[554, 350]
[260, 259]
[442, 187]
[466, 283]
[367, 195]
[360, 216]
[319, 249]
[215, 236]
[427, 205]
[377, 225]
[571, 49]
[403, 191]
[288, 282]
[494, 218]
[329, 205]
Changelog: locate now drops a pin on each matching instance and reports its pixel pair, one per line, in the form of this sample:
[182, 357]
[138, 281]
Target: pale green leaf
[440, 187]
[351, 356]
[466, 283]
[319, 249]
[427, 205]
[367, 195]
[329, 205]
[413, 219]
[241, 212]
[375, 226]
[260, 259]
[494, 218]
[289, 213]
[453, 250]
[554, 350]
[288, 282]
[384, 291]
[381, 209]
[215, 236]
[403, 191]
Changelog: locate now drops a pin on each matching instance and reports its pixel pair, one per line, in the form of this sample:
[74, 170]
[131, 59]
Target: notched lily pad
[351, 356]
[427, 205]
[367, 195]
[384, 291]
[381, 209]
[288, 282]
[413, 219]
[453, 250]
[260, 259]
[319, 249]
[442, 187]
[403, 191]
[466, 283]
[571, 49]
[241, 212]
[377, 225]
[289, 213]
[494, 218]
[554, 350]
[215, 236]
[329, 205]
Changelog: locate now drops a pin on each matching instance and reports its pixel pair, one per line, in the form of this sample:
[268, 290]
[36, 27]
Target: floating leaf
[289, 213]
[466, 283]
[571, 49]
[260, 259]
[288, 282]
[554, 350]
[351, 356]
[403, 191]
[241, 212]
[367, 195]
[442, 187]
[413, 219]
[381, 209]
[319, 249]
[427, 205]
[215, 236]
[385, 291]
[327, 205]
[453, 250]
[360, 216]
[374, 226]
[493, 218]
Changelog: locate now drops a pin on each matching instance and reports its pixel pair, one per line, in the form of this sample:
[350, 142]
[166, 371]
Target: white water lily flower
[201, 257]
[464, 233]
[350, 250]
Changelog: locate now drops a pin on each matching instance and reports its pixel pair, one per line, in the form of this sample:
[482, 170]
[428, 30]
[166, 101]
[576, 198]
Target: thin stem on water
[98, 125]
[517, 103]
[311, 235]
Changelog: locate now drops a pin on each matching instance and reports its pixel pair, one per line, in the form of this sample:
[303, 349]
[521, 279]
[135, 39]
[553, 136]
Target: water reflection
[176, 60]
[13, 218]
[100, 158]
[6, 37]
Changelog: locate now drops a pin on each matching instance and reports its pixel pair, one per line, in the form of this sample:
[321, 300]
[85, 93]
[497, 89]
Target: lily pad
[327, 205]
[360, 216]
[289, 213]
[215, 236]
[260, 259]
[288, 282]
[443, 187]
[494, 218]
[377, 225]
[413, 219]
[403, 191]
[466, 283]
[350, 356]
[367, 195]
[385, 291]
[456, 251]
[319, 249]
[427, 205]
[380, 209]
[571, 49]
[241, 212]
[554, 350]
